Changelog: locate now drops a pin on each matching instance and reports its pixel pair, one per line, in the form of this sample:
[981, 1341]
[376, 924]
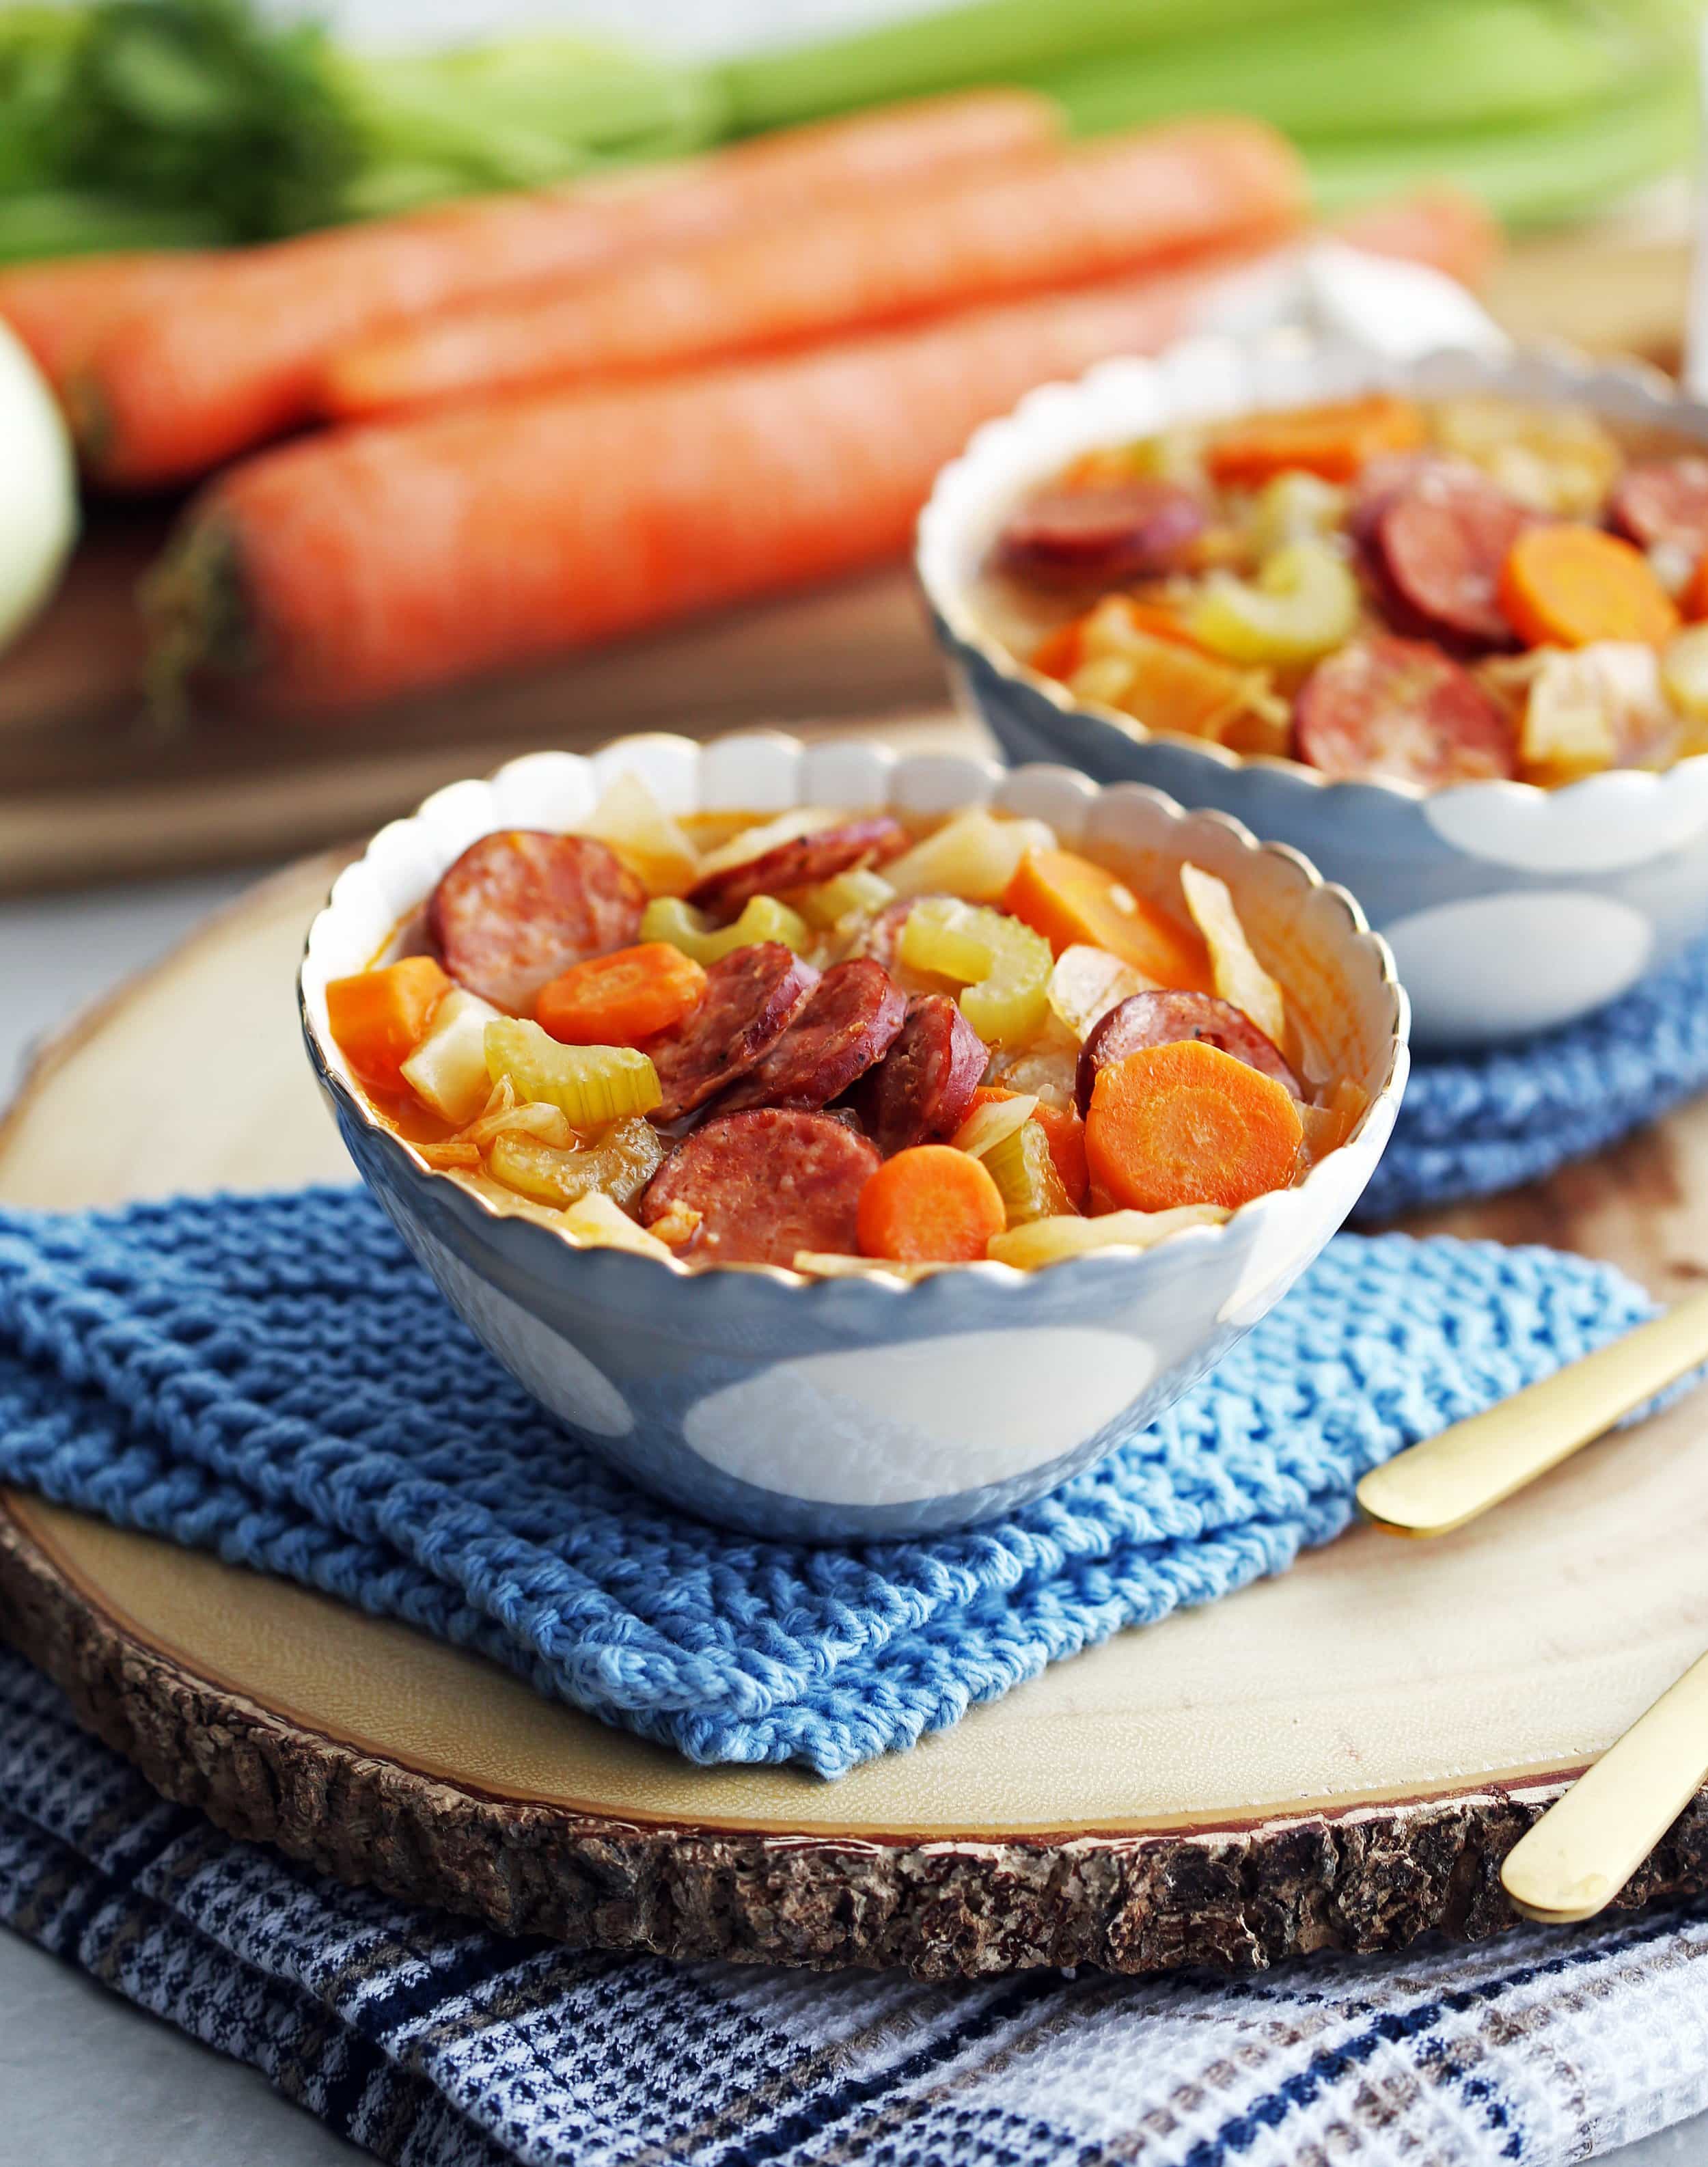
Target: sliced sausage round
[750, 999]
[919, 1093]
[1124, 530]
[1401, 709]
[1438, 549]
[1664, 501]
[519, 906]
[765, 1184]
[1385, 479]
[848, 1021]
[801, 862]
[1164, 1019]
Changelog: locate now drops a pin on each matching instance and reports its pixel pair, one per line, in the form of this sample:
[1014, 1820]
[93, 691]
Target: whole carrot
[163, 394]
[349, 566]
[1087, 213]
[368, 561]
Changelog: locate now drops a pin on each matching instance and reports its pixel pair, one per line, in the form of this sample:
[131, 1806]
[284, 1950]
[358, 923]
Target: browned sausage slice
[1144, 1020]
[766, 1183]
[1384, 479]
[1401, 708]
[519, 906]
[1664, 501]
[1440, 545]
[1124, 530]
[802, 862]
[847, 1022]
[750, 999]
[920, 1091]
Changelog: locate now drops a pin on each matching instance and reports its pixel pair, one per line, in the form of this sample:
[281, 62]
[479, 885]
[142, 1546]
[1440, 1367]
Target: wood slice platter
[1335, 1760]
[91, 790]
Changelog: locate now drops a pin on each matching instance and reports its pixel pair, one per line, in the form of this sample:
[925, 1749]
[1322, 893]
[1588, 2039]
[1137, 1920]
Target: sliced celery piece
[667, 917]
[1003, 966]
[859, 893]
[592, 1085]
[618, 1164]
[1303, 602]
[1025, 1175]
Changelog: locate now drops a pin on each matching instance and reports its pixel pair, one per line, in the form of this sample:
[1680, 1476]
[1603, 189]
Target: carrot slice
[380, 1017]
[1070, 900]
[1088, 211]
[1188, 1124]
[929, 1205]
[622, 999]
[1059, 652]
[1693, 601]
[1564, 586]
[1334, 442]
[1064, 1131]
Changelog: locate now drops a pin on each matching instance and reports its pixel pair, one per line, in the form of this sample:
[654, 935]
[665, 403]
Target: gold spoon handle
[1437, 1485]
[1587, 1844]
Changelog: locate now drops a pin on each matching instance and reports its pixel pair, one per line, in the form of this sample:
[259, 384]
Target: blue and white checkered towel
[1476, 1124]
[438, 2045]
[226, 1372]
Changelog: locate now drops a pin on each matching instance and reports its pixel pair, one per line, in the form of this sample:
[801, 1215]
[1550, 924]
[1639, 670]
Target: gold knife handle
[1587, 1844]
[1437, 1485]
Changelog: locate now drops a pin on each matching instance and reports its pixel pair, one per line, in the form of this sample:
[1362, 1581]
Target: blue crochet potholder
[273, 1379]
[1480, 1123]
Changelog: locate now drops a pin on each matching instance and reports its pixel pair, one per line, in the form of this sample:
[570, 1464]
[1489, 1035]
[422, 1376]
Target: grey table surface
[85, 2079]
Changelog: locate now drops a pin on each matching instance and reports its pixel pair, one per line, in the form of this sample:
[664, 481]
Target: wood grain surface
[1336, 1759]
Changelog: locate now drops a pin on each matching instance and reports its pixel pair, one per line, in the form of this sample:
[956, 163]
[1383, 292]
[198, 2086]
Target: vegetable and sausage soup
[1432, 594]
[822, 1038]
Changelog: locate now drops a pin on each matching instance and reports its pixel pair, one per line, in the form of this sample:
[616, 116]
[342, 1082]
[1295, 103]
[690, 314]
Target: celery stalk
[1363, 71]
[987, 41]
[1528, 177]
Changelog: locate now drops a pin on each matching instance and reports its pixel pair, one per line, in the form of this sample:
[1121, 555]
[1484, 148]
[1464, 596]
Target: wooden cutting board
[1336, 1759]
[89, 789]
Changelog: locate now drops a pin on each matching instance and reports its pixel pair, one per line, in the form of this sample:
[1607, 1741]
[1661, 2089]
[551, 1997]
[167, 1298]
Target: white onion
[38, 488]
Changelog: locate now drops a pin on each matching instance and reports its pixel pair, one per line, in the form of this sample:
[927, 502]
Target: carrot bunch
[589, 410]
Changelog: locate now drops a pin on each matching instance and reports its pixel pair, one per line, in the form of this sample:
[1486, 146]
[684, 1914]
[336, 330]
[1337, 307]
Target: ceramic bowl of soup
[1437, 623]
[664, 1235]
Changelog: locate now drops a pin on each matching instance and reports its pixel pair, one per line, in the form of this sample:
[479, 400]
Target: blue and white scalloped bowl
[1510, 909]
[844, 1409]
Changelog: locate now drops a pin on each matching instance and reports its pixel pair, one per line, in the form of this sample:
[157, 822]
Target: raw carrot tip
[1188, 1124]
[193, 604]
[380, 1017]
[930, 1204]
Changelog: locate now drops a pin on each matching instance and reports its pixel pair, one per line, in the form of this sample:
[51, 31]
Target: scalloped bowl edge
[1210, 377]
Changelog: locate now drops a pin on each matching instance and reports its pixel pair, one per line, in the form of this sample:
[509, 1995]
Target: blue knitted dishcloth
[275, 1380]
[1472, 1125]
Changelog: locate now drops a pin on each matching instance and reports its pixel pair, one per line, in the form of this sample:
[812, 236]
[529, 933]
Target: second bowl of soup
[1442, 625]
